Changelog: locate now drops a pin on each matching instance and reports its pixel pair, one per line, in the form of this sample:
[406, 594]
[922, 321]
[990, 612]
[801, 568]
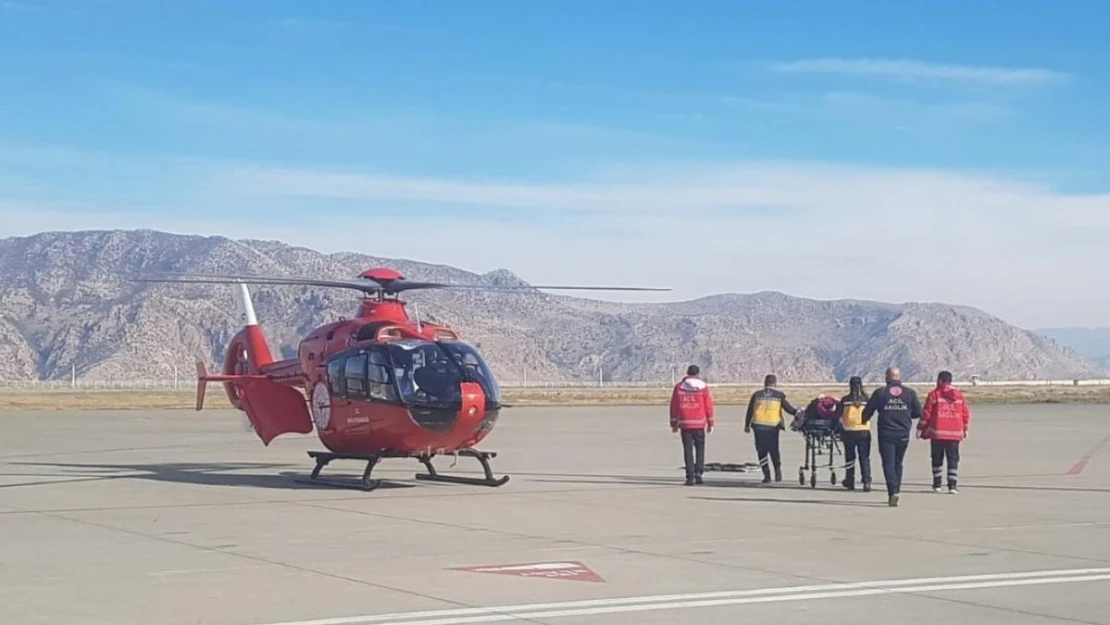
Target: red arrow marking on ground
[572, 571]
[1078, 467]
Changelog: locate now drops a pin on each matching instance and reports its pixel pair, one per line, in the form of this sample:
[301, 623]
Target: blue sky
[896, 151]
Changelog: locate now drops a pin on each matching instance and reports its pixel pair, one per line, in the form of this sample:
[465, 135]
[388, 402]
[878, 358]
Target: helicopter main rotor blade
[365, 286]
[545, 287]
[369, 285]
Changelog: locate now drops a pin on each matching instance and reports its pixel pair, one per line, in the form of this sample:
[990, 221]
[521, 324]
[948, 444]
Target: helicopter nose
[473, 404]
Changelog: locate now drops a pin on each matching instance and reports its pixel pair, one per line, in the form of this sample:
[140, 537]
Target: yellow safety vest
[851, 419]
[767, 411]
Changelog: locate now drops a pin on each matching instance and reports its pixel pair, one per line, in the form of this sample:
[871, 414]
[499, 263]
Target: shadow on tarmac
[206, 474]
[792, 486]
[228, 475]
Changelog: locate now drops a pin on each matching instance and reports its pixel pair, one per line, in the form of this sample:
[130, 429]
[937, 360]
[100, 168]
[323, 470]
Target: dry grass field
[588, 396]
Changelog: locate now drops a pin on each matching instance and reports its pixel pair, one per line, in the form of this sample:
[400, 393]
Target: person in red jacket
[692, 414]
[944, 423]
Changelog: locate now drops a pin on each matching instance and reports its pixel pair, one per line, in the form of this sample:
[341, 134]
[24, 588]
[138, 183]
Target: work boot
[766, 475]
[698, 480]
[867, 487]
[689, 481]
[778, 473]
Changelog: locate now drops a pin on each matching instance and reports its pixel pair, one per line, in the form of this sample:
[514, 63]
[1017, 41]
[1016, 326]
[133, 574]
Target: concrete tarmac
[181, 518]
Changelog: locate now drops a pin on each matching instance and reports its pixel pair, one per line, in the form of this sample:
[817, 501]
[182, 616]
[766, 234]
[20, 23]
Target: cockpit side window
[355, 376]
[335, 377]
[378, 375]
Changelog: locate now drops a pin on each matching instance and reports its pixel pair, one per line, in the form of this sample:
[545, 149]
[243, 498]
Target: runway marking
[1003, 528]
[572, 571]
[617, 605]
[1081, 464]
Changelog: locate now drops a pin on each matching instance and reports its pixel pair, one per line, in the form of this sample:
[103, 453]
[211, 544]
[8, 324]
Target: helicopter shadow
[206, 474]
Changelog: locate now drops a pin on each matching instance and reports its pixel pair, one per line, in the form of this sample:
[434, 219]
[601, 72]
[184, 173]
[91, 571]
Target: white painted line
[1003, 528]
[729, 597]
[492, 618]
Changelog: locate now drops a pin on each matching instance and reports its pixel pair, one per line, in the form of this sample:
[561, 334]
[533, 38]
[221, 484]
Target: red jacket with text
[945, 416]
[691, 405]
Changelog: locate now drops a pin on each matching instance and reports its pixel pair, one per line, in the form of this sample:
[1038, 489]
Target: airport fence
[183, 384]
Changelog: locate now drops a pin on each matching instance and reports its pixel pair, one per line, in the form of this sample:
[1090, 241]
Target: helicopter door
[363, 375]
[380, 385]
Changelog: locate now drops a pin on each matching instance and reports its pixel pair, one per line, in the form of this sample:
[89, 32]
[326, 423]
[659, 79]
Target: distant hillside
[1091, 343]
[65, 303]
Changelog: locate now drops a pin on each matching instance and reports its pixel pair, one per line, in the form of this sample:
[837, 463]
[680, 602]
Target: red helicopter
[380, 385]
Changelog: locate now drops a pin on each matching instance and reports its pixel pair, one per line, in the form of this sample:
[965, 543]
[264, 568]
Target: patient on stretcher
[820, 415]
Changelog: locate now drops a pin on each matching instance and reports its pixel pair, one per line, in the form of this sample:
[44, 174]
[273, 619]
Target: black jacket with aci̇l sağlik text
[896, 406]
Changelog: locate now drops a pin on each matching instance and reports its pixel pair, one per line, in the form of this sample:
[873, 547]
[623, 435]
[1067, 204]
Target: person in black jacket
[896, 406]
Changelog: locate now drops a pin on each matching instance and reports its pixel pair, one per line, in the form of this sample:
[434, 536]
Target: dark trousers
[767, 448]
[857, 446]
[693, 452]
[893, 453]
[942, 450]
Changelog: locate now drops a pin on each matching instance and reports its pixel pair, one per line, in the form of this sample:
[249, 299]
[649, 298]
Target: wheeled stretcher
[822, 438]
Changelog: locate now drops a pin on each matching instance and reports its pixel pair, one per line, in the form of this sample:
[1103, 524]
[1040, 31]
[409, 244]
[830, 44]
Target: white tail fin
[249, 318]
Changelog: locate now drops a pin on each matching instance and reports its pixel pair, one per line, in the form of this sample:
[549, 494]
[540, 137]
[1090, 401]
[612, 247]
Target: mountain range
[66, 305]
[1091, 343]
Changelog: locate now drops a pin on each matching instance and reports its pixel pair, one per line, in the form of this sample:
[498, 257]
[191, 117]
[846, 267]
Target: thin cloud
[904, 69]
[865, 106]
[811, 229]
[20, 5]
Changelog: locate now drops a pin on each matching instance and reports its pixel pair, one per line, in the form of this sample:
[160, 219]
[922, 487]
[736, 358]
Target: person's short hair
[693, 370]
[945, 376]
[770, 380]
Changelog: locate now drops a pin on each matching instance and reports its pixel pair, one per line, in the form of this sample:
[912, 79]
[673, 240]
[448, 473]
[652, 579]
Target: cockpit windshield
[477, 370]
[430, 373]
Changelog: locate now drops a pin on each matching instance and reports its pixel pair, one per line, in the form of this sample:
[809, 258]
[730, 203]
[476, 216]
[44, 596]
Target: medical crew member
[692, 414]
[856, 436]
[896, 406]
[944, 424]
[765, 410]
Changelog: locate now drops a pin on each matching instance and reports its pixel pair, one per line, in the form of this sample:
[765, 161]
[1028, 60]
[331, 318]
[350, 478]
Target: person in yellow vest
[856, 436]
[765, 410]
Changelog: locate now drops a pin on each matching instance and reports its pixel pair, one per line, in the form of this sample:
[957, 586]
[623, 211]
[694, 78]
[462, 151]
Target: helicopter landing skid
[482, 457]
[368, 483]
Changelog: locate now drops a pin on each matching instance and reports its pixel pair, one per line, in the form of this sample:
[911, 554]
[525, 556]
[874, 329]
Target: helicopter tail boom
[273, 408]
[256, 384]
[203, 378]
